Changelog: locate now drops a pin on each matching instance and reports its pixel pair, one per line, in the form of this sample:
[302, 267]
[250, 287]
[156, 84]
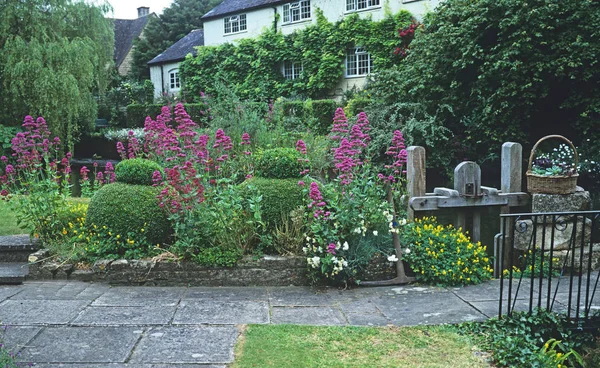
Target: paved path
[95, 325]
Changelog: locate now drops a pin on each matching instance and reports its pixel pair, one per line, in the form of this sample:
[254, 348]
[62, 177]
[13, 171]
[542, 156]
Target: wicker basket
[551, 184]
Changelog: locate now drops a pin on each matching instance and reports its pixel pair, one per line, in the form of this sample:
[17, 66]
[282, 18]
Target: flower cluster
[444, 255]
[559, 162]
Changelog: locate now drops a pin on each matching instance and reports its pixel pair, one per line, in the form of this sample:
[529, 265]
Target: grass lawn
[308, 346]
[8, 222]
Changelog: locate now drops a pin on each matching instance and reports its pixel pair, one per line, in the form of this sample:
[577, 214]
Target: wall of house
[256, 20]
[161, 85]
[125, 66]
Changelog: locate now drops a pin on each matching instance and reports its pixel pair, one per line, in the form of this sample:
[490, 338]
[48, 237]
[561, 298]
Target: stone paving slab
[427, 309]
[110, 316]
[15, 338]
[36, 312]
[361, 319]
[227, 293]
[299, 296]
[191, 312]
[491, 291]
[82, 345]
[9, 291]
[133, 296]
[316, 316]
[168, 345]
[59, 291]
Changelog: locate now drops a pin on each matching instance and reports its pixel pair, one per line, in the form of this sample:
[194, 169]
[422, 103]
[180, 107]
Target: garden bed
[250, 271]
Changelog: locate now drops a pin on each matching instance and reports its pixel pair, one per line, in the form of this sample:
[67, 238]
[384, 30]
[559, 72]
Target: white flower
[357, 230]
[346, 246]
[320, 250]
[316, 260]
[390, 217]
[403, 222]
[345, 263]
[393, 258]
[407, 250]
[304, 249]
[375, 232]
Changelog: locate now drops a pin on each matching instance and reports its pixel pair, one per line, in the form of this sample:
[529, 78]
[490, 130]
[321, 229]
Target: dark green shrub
[322, 112]
[279, 163]
[136, 114]
[124, 208]
[279, 197]
[294, 109]
[136, 171]
[356, 105]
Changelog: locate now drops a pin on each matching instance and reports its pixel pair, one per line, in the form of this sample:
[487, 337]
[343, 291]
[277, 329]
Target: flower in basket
[557, 163]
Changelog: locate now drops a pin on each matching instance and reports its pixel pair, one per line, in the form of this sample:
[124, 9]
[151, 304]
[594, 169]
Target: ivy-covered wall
[254, 66]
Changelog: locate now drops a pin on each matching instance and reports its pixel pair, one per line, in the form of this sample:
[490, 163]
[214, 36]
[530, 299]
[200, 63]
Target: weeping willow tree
[55, 57]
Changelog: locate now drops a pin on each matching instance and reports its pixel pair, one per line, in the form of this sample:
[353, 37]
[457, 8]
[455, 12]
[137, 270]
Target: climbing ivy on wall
[253, 67]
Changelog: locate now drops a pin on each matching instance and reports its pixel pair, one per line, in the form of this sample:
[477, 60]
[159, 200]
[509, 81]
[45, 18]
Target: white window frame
[359, 62]
[297, 11]
[174, 80]
[291, 70]
[235, 24]
[359, 5]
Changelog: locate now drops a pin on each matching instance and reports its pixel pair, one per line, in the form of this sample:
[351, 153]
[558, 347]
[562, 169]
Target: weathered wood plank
[415, 174]
[428, 203]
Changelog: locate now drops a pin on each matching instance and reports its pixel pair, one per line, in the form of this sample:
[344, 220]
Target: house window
[358, 62]
[174, 80]
[353, 5]
[291, 70]
[297, 11]
[235, 23]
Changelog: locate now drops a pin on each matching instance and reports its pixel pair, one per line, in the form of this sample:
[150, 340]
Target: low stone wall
[265, 271]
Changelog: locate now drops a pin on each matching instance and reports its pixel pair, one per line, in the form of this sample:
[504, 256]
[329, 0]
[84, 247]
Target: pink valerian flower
[245, 139]
[397, 151]
[340, 125]
[100, 178]
[133, 147]
[83, 172]
[363, 122]
[156, 178]
[301, 146]
[4, 193]
[301, 183]
[345, 160]
[121, 150]
[3, 159]
[109, 173]
[317, 200]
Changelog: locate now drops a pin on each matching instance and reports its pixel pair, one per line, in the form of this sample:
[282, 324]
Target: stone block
[563, 232]
[567, 256]
[578, 201]
[82, 275]
[38, 256]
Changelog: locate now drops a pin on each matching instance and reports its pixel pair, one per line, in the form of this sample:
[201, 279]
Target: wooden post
[510, 182]
[467, 181]
[415, 175]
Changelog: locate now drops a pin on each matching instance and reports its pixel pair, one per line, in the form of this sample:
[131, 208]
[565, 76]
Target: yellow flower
[118, 236]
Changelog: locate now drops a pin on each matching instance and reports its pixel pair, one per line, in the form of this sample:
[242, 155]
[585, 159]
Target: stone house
[236, 19]
[164, 68]
[127, 30]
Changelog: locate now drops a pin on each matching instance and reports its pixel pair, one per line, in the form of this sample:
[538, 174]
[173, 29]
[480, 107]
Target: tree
[178, 20]
[498, 70]
[55, 58]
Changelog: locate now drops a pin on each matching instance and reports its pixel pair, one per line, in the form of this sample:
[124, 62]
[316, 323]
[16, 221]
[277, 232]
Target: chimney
[143, 11]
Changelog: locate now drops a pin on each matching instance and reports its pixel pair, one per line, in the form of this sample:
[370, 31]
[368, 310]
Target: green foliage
[524, 340]
[116, 99]
[221, 228]
[163, 31]
[503, 68]
[279, 198]
[8, 359]
[125, 208]
[253, 65]
[53, 61]
[356, 105]
[7, 133]
[279, 163]
[322, 112]
[137, 113]
[137, 171]
[444, 255]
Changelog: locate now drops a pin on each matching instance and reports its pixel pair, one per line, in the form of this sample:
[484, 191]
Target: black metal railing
[550, 261]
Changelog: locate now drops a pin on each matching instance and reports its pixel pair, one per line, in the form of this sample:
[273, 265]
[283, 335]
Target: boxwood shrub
[136, 171]
[279, 163]
[124, 208]
[279, 197]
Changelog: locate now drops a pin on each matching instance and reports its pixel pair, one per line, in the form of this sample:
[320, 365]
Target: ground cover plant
[540, 339]
[8, 221]
[311, 346]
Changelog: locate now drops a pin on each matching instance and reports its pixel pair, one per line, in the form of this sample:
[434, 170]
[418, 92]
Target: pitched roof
[181, 48]
[126, 30]
[234, 6]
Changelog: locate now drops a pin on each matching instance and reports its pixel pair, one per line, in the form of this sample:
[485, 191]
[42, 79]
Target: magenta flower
[301, 146]
[340, 124]
[331, 248]
[301, 183]
[245, 139]
[84, 171]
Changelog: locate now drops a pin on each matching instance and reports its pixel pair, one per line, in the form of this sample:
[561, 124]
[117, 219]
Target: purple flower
[301, 146]
[331, 248]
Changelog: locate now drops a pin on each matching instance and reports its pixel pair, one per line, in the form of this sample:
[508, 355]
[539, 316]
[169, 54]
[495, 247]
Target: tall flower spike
[340, 124]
